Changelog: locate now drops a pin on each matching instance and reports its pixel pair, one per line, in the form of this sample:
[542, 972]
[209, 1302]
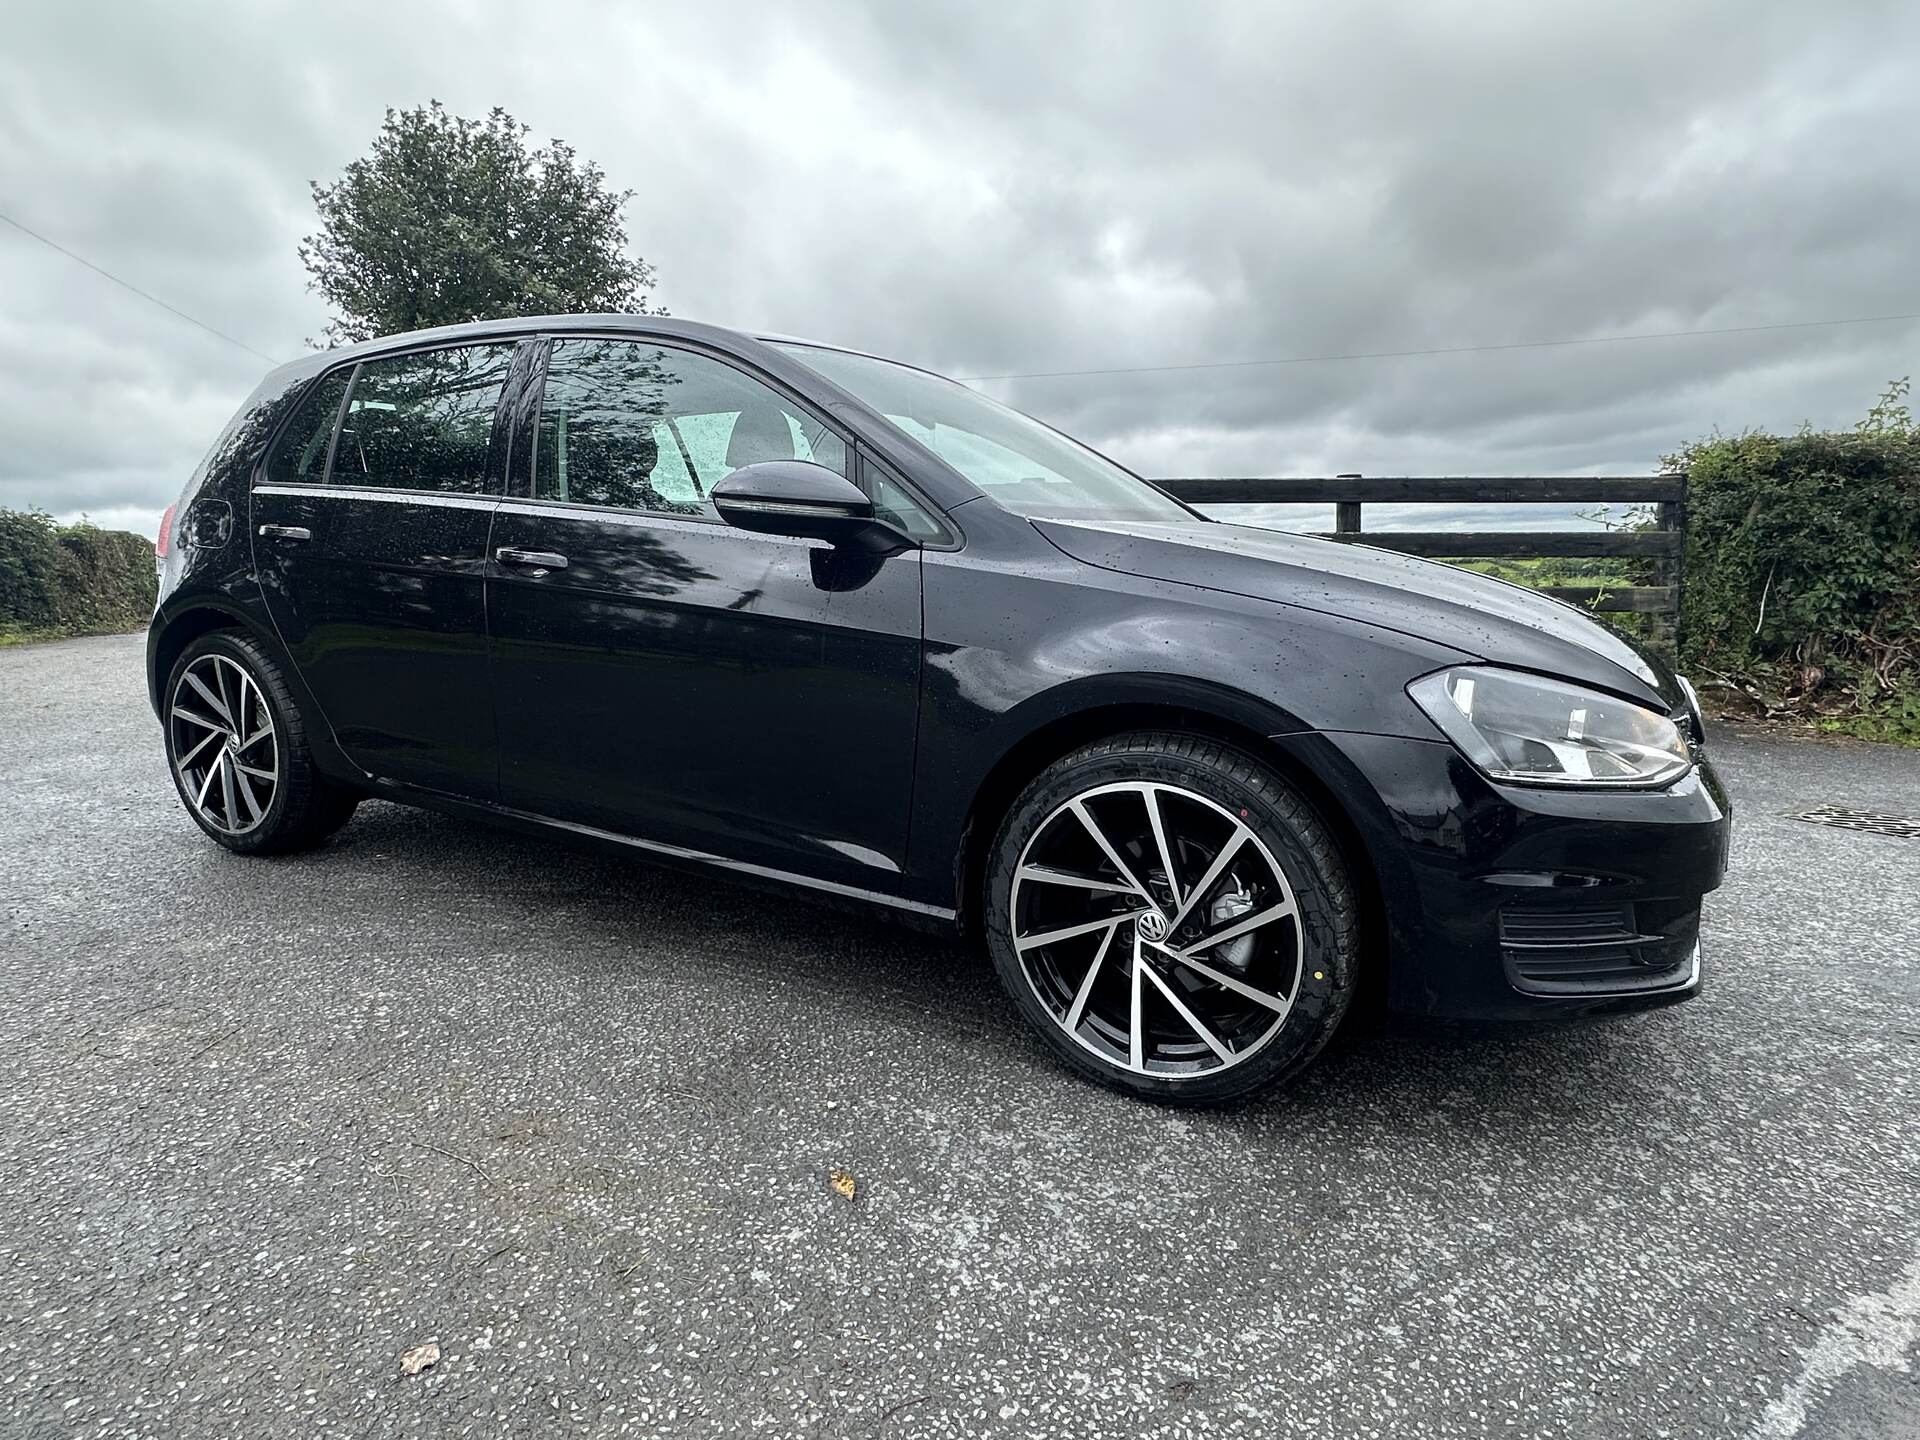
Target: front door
[660, 674]
[370, 538]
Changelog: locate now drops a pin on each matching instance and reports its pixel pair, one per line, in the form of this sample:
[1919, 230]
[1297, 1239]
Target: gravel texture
[267, 1125]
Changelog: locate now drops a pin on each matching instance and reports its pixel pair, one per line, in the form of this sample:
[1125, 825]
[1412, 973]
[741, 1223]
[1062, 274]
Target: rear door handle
[286, 532]
[533, 559]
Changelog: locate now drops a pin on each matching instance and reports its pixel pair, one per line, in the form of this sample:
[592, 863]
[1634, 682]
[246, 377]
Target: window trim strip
[450, 499]
[580, 514]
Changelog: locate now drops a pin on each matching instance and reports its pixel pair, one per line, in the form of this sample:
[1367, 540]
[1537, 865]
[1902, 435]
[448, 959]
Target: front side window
[423, 421]
[1022, 464]
[300, 455]
[630, 424]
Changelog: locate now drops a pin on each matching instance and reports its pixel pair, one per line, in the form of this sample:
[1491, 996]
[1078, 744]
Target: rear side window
[424, 421]
[300, 456]
[634, 425]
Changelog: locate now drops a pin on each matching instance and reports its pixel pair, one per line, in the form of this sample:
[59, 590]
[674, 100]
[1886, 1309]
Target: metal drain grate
[1904, 827]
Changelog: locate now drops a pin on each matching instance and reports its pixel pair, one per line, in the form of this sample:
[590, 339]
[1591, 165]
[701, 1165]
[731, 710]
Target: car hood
[1473, 613]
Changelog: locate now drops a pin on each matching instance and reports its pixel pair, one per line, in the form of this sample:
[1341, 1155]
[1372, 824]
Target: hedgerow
[71, 579]
[1803, 571]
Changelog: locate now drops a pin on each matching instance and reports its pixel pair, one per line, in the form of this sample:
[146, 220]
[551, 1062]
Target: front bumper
[1509, 902]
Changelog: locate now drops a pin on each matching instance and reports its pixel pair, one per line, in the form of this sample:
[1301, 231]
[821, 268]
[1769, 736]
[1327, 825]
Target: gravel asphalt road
[265, 1125]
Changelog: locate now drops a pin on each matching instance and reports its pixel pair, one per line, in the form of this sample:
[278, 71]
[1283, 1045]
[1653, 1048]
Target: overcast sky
[988, 189]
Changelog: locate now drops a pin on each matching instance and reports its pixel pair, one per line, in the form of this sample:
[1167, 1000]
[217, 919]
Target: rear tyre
[1172, 918]
[237, 749]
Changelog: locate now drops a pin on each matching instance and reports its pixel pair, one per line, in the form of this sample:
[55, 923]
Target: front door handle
[286, 532]
[533, 559]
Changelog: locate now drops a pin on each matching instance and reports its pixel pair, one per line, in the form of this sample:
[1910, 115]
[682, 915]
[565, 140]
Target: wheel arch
[1190, 708]
[170, 634]
[173, 631]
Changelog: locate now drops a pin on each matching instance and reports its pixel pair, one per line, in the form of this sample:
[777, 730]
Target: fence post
[1671, 573]
[1346, 513]
[1672, 515]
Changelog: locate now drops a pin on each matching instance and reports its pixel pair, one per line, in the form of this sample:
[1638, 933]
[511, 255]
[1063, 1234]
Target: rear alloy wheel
[1173, 918]
[222, 743]
[238, 751]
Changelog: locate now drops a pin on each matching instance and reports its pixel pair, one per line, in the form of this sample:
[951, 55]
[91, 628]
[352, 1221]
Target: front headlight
[1527, 729]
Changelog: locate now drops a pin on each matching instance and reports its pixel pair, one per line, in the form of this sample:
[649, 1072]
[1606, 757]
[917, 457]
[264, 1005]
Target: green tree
[449, 220]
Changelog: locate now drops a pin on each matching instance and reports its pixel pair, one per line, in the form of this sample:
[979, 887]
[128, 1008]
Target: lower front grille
[1598, 949]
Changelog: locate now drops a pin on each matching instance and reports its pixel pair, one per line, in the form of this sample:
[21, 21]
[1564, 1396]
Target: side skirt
[931, 917]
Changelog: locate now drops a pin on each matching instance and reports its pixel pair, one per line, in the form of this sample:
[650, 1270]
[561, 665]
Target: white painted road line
[1880, 1330]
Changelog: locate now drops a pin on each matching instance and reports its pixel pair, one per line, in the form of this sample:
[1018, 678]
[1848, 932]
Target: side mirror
[797, 497]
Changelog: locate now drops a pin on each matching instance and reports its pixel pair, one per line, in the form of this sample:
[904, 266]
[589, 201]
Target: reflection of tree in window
[631, 425]
[300, 455]
[596, 442]
[423, 422]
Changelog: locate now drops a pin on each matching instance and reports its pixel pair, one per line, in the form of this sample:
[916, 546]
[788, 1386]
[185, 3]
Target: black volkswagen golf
[805, 615]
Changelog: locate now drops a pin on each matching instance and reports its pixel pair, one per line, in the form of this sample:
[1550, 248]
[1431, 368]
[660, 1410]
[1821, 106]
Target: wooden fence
[1660, 546]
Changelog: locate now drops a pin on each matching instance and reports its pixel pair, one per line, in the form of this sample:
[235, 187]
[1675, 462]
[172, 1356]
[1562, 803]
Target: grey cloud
[1031, 188]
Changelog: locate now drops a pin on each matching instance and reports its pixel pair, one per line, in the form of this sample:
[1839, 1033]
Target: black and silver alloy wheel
[237, 747]
[1157, 929]
[1175, 919]
[221, 738]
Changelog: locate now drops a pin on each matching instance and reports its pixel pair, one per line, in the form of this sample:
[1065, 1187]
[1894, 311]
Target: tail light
[165, 542]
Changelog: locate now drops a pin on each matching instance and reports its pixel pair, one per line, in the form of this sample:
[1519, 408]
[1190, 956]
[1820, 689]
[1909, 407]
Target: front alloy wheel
[1175, 920]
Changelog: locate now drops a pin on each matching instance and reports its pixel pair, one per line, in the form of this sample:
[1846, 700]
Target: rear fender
[180, 621]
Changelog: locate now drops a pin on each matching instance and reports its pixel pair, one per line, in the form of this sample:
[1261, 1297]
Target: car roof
[533, 324]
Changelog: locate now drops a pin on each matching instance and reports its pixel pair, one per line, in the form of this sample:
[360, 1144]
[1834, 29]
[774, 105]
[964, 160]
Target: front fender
[1016, 650]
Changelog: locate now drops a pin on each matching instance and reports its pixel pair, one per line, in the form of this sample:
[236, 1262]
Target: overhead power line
[126, 285]
[218, 334]
[1443, 349]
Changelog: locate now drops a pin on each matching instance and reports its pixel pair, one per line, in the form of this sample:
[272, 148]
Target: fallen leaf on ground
[842, 1182]
[418, 1357]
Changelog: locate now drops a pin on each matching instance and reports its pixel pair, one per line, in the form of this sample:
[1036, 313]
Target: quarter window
[633, 425]
[893, 504]
[300, 456]
[423, 421]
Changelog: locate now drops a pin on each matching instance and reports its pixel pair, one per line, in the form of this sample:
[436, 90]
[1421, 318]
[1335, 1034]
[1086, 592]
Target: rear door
[661, 674]
[370, 530]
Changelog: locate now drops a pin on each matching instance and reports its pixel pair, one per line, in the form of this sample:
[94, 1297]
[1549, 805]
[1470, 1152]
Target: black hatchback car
[817, 618]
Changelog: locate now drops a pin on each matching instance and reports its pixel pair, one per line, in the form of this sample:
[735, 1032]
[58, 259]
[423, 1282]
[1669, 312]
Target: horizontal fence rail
[1442, 489]
[1661, 545]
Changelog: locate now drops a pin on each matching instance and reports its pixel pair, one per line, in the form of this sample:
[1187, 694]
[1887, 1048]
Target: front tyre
[237, 748]
[1173, 918]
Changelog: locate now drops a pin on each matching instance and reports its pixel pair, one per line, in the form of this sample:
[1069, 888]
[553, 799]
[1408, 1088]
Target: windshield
[1026, 467]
